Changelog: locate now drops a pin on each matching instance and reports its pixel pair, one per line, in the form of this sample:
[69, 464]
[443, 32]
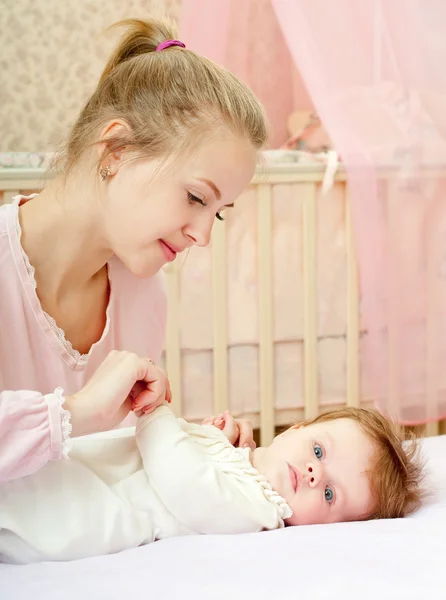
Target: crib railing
[307, 179]
[20, 181]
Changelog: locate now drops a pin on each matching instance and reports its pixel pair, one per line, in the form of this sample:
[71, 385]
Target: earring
[104, 173]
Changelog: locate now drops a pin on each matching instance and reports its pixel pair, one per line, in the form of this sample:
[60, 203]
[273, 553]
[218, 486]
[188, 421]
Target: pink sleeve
[34, 429]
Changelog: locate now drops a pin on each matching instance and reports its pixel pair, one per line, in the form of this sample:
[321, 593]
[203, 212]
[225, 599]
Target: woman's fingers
[153, 390]
[122, 382]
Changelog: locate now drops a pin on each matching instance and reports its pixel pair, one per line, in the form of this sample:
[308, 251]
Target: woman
[166, 142]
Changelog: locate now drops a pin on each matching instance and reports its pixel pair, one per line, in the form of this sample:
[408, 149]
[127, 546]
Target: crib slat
[8, 195]
[266, 341]
[432, 428]
[173, 348]
[307, 192]
[220, 318]
[353, 321]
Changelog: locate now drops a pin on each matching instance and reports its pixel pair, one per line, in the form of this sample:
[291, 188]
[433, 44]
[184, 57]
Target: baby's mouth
[295, 477]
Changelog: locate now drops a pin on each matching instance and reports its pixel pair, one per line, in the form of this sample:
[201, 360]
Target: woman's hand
[238, 431]
[122, 382]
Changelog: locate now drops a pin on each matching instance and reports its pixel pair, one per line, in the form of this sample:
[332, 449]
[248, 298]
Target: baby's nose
[314, 473]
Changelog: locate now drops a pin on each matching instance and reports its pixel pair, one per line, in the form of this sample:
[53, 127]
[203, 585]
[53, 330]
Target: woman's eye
[219, 217]
[318, 452]
[329, 494]
[193, 199]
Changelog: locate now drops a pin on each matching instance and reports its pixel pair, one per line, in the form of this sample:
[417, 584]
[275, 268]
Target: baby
[167, 478]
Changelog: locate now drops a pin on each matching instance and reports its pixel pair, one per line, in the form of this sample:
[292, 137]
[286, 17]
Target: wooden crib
[267, 411]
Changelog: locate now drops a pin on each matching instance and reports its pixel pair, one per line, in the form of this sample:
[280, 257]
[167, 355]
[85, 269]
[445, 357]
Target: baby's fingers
[246, 438]
[230, 427]
[217, 421]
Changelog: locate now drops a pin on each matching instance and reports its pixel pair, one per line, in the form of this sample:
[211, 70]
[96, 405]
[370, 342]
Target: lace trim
[284, 509]
[60, 333]
[65, 423]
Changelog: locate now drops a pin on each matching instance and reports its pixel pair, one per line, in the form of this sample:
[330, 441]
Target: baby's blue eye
[328, 495]
[318, 452]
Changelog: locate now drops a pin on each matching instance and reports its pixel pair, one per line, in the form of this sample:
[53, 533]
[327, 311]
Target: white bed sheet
[395, 559]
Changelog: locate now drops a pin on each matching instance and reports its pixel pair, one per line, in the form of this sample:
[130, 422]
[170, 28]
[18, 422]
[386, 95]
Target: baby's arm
[200, 484]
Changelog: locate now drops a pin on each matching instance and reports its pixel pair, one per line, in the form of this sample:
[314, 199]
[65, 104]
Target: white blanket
[388, 560]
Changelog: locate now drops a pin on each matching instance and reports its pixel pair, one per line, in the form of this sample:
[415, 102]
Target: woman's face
[154, 209]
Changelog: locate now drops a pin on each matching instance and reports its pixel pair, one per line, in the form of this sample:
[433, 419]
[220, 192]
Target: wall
[51, 55]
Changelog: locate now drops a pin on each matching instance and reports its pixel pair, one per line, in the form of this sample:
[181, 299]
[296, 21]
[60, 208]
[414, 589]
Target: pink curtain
[245, 37]
[375, 72]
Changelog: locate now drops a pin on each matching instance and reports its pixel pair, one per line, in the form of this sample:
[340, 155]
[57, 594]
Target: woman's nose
[199, 233]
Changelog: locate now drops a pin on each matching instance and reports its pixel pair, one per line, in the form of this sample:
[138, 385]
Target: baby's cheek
[306, 511]
[293, 520]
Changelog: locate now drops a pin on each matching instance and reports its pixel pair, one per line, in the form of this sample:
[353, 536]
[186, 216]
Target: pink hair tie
[168, 43]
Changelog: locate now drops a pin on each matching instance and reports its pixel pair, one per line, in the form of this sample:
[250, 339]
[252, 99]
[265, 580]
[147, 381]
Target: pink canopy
[374, 70]
[245, 37]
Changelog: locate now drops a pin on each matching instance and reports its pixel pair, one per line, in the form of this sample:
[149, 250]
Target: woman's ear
[111, 145]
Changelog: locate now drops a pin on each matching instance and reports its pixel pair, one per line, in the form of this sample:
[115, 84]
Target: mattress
[393, 559]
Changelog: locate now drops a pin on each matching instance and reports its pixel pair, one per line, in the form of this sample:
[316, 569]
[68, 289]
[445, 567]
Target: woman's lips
[169, 252]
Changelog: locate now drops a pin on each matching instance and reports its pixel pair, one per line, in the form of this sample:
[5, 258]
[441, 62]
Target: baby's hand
[238, 431]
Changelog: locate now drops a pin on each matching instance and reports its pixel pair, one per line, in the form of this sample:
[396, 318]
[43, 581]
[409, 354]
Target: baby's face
[320, 470]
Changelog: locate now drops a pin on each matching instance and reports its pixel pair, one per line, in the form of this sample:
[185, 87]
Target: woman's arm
[34, 429]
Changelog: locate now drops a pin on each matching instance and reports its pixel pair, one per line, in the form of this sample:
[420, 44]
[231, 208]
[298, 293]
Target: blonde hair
[396, 472]
[168, 98]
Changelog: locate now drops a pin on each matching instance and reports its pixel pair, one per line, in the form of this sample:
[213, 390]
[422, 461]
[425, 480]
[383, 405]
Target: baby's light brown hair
[397, 471]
